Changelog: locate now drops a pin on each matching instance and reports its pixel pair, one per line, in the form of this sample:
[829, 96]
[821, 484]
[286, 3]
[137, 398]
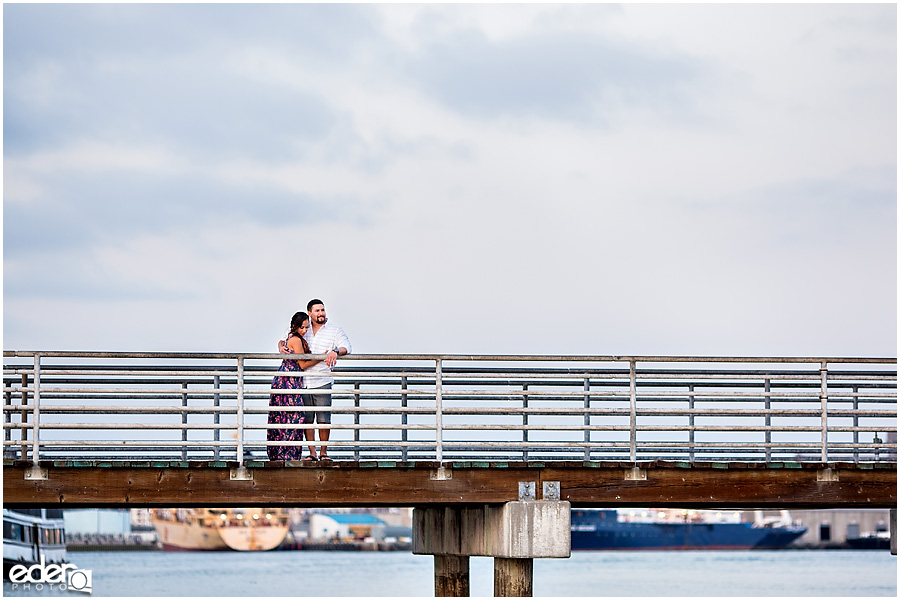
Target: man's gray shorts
[319, 416]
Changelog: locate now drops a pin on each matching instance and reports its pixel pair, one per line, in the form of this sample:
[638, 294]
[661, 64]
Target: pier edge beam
[451, 576]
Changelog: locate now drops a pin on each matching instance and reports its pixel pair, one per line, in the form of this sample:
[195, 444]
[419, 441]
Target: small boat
[242, 529]
[29, 534]
[670, 529]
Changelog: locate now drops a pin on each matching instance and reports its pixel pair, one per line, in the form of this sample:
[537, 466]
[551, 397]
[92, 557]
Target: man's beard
[321, 320]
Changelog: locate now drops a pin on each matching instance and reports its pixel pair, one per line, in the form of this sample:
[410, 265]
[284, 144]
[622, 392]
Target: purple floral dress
[278, 417]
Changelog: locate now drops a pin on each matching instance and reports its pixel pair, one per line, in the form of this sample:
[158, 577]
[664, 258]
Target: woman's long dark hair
[297, 321]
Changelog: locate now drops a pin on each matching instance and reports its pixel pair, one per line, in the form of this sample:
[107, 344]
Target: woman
[295, 344]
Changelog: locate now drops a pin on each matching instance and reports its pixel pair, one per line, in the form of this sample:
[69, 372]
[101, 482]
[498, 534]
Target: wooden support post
[894, 531]
[513, 577]
[451, 576]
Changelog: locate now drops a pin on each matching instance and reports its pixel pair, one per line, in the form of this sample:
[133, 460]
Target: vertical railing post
[633, 421]
[855, 424]
[7, 419]
[23, 419]
[404, 434]
[240, 411]
[691, 422]
[438, 426]
[824, 397]
[768, 400]
[36, 472]
[525, 421]
[217, 381]
[587, 419]
[184, 420]
[36, 415]
[356, 421]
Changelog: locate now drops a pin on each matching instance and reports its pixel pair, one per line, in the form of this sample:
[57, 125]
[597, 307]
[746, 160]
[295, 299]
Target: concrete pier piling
[513, 534]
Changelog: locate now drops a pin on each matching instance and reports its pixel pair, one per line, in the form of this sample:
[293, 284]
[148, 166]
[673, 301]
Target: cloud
[161, 31]
[574, 77]
[84, 209]
[200, 108]
[452, 178]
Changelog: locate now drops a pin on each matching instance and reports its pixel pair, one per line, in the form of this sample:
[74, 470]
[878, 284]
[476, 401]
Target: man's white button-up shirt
[327, 338]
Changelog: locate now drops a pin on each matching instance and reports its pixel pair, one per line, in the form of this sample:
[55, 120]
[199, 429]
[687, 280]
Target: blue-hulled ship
[667, 529]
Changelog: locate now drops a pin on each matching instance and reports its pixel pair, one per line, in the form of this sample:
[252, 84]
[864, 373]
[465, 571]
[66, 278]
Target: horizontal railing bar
[226, 403]
[213, 427]
[459, 444]
[450, 426]
[59, 393]
[205, 444]
[847, 449]
[428, 368]
[427, 373]
[424, 374]
[228, 386]
[456, 357]
[396, 410]
[208, 410]
[425, 427]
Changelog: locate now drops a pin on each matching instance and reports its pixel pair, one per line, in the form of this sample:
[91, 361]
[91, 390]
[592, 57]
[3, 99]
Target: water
[811, 573]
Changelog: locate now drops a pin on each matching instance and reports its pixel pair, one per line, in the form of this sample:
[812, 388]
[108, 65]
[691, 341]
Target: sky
[595, 179]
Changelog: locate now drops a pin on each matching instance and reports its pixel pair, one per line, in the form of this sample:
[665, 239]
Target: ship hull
[602, 530]
[173, 548]
[252, 539]
[197, 530]
[870, 542]
[187, 537]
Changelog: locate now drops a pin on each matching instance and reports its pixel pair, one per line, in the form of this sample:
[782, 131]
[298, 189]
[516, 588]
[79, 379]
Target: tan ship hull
[252, 538]
[184, 536]
[242, 529]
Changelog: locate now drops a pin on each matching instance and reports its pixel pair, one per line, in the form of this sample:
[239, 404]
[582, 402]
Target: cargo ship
[32, 536]
[669, 529]
[242, 529]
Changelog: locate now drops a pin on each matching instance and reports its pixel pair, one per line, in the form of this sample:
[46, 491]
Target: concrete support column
[894, 531]
[451, 576]
[524, 529]
[513, 577]
[514, 534]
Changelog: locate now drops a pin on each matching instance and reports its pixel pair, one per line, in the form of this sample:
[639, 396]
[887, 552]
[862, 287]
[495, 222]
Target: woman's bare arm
[297, 348]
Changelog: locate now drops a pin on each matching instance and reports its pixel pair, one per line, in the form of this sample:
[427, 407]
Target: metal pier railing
[120, 406]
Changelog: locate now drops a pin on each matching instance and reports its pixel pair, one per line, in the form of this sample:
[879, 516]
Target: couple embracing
[308, 334]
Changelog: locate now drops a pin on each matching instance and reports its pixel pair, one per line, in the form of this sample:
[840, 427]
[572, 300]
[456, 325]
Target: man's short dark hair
[312, 303]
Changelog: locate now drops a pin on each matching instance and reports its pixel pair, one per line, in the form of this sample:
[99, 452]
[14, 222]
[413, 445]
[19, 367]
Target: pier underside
[588, 484]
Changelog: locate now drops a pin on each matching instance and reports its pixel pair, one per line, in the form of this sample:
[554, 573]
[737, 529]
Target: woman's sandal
[310, 458]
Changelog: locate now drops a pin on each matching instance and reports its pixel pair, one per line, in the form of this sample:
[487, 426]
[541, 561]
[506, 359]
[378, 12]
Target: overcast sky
[575, 179]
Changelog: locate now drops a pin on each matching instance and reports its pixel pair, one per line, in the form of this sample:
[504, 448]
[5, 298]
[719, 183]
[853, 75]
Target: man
[330, 340]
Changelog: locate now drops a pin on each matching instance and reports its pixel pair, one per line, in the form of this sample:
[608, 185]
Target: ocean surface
[809, 573]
